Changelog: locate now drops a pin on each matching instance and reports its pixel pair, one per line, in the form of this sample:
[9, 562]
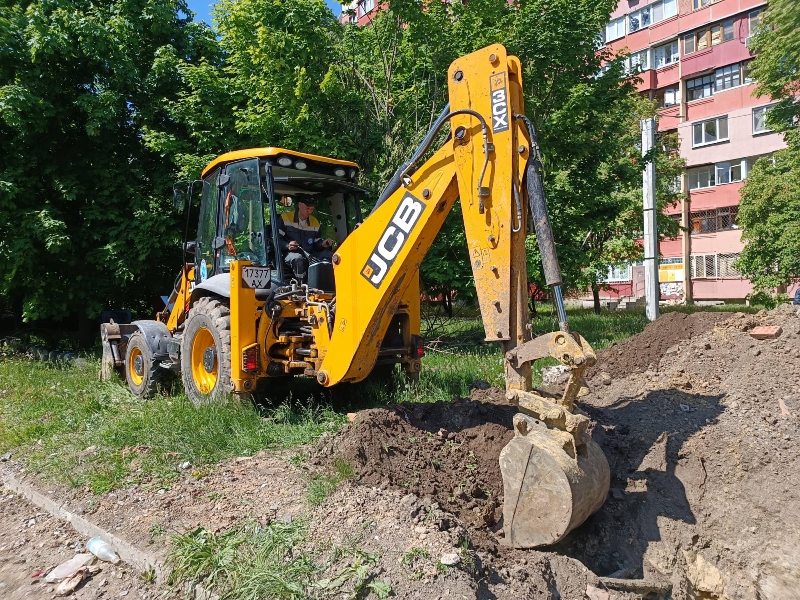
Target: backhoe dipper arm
[481, 163]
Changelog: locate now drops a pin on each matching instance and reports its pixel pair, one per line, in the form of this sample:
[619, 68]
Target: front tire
[206, 352]
[144, 377]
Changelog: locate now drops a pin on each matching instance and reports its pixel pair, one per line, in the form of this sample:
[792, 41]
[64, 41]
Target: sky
[203, 9]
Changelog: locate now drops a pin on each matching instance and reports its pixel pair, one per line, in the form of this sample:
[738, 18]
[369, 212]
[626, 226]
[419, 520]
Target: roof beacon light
[339, 172]
[285, 161]
[300, 165]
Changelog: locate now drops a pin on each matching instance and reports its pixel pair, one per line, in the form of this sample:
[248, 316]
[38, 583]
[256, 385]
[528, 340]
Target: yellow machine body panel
[270, 151]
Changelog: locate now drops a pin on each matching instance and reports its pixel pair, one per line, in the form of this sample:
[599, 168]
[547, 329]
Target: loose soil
[701, 448]
[644, 351]
[697, 419]
[33, 543]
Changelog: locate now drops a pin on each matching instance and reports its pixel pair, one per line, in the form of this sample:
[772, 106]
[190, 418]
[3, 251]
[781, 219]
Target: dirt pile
[644, 351]
[701, 447]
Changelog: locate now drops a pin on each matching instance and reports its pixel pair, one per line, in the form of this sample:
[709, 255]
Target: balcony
[717, 56]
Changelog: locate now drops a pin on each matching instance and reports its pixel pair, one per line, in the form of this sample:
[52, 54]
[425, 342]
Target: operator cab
[245, 193]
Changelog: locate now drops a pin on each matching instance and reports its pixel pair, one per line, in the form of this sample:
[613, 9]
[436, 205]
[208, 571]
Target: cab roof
[268, 152]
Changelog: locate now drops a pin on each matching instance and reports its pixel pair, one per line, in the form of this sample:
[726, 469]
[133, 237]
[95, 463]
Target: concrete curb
[142, 561]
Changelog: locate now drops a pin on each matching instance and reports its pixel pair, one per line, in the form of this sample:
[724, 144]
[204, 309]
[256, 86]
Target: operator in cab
[300, 238]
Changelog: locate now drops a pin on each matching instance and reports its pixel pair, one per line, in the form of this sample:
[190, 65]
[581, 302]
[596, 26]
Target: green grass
[250, 562]
[321, 485]
[71, 427]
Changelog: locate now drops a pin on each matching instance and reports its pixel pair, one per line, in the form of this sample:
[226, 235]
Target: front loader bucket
[551, 483]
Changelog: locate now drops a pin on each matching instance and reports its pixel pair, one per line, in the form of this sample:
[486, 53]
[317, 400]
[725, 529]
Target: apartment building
[360, 12]
[693, 57]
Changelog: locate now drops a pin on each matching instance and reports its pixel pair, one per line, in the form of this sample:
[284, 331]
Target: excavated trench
[688, 416]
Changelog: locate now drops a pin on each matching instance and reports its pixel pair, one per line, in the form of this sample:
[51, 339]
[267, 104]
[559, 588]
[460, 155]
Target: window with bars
[714, 220]
[714, 266]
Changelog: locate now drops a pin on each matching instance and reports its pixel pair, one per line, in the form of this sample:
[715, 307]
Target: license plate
[256, 277]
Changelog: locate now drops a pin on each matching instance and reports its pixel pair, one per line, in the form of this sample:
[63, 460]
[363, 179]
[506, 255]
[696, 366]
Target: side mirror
[179, 195]
[286, 201]
[190, 247]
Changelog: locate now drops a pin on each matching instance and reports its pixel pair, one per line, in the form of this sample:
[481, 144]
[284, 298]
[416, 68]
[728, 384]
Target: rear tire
[144, 377]
[206, 352]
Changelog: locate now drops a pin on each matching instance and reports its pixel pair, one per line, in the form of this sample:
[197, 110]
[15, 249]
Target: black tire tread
[154, 376]
[218, 316]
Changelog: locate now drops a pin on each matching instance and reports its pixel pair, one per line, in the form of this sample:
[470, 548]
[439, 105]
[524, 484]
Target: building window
[746, 77]
[366, 6]
[666, 55]
[615, 29]
[639, 61]
[700, 87]
[727, 31]
[760, 119]
[701, 3]
[754, 21]
[727, 77]
[710, 132]
[705, 266]
[639, 19]
[688, 43]
[701, 177]
[729, 171]
[618, 273]
[668, 97]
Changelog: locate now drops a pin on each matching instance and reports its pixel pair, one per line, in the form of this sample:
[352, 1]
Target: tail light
[418, 346]
[251, 362]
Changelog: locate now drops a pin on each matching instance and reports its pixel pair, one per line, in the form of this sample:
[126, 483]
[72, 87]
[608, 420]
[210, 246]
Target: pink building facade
[693, 57]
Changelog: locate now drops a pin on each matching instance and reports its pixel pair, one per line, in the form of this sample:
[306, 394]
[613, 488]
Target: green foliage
[769, 212]
[104, 103]
[84, 217]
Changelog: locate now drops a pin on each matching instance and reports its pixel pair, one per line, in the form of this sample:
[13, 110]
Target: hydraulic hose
[541, 221]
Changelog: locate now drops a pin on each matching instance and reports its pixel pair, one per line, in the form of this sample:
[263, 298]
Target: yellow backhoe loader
[239, 318]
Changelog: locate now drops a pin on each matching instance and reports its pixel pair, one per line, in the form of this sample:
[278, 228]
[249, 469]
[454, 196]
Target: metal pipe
[562, 313]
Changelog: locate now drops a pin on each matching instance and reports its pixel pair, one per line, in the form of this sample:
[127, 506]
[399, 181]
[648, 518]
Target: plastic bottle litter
[102, 550]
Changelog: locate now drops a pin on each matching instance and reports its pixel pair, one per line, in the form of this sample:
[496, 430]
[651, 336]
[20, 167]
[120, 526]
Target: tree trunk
[596, 298]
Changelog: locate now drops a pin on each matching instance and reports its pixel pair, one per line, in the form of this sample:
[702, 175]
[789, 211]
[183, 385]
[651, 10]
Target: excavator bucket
[554, 474]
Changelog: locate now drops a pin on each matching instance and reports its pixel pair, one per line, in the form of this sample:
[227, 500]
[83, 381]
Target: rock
[450, 559]
[557, 375]
[605, 378]
[595, 593]
[351, 416]
[420, 529]
[5, 457]
[66, 569]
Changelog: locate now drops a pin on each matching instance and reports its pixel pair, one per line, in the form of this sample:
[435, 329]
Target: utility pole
[651, 285]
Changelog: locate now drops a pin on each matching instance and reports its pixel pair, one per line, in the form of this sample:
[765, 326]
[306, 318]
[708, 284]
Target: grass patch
[321, 485]
[71, 427]
[251, 562]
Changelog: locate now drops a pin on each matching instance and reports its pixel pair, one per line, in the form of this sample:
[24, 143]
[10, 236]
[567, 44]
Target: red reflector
[250, 361]
[420, 347]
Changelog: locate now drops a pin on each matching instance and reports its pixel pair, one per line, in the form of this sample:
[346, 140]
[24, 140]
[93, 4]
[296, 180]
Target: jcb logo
[392, 240]
[497, 86]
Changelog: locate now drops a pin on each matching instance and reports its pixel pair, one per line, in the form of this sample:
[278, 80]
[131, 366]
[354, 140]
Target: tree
[84, 217]
[769, 212]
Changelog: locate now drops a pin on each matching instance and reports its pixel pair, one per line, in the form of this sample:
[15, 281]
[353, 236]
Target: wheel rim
[203, 379]
[136, 378]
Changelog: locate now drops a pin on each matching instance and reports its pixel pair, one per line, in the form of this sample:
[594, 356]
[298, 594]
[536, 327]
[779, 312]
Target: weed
[441, 568]
[413, 554]
[320, 485]
[156, 530]
[148, 576]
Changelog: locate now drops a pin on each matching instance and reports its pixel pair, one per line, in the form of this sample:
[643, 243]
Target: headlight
[339, 172]
[353, 173]
[300, 165]
[285, 161]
